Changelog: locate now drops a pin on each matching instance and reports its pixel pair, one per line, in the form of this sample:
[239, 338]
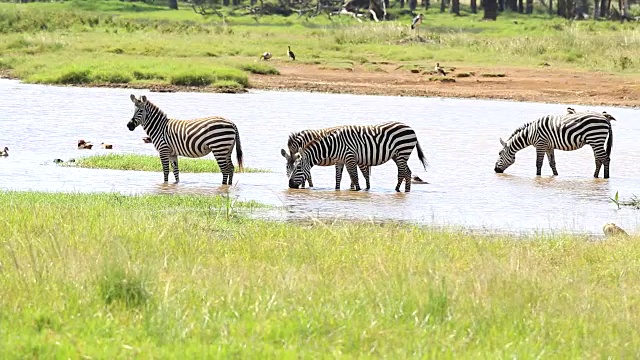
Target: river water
[460, 139]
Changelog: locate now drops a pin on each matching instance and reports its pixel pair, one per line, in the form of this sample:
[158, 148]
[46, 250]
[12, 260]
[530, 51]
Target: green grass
[164, 276]
[137, 43]
[150, 163]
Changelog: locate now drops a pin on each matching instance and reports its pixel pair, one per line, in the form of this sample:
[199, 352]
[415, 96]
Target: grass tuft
[118, 284]
[149, 163]
[262, 69]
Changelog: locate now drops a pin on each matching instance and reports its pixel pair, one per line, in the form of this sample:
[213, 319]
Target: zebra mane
[292, 138]
[519, 130]
[155, 108]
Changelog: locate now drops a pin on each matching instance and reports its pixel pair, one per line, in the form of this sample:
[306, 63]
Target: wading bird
[265, 56]
[290, 53]
[611, 230]
[5, 152]
[415, 24]
[440, 70]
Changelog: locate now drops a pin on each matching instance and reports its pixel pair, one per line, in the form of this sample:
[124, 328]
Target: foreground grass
[122, 42]
[150, 163]
[164, 276]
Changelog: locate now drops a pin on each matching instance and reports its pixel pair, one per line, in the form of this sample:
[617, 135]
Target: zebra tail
[609, 141]
[423, 159]
[238, 150]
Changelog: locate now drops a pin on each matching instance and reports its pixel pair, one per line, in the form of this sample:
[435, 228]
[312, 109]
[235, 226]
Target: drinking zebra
[567, 132]
[191, 138]
[298, 140]
[360, 145]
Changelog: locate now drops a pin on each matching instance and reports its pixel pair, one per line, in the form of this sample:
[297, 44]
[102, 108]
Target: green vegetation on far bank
[166, 275]
[119, 42]
[150, 163]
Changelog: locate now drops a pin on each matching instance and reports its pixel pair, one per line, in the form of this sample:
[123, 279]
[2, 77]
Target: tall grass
[114, 276]
[149, 163]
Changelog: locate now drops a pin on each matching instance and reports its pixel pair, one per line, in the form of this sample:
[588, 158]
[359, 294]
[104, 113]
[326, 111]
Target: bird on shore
[290, 53]
[416, 180]
[611, 230]
[84, 145]
[440, 70]
[146, 139]
[571, 110]
[5, 152]
[106, 146]
[265, 56]
[415, 24]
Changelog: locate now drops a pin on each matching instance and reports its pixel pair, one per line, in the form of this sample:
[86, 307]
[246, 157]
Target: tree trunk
[426, 4]
[520, 6]
[401, 4]
[596, 9]
[443, 5]
[513, 5]
[501, 5]
[173, 4]
[604, 8]
[413, 4]
[550, 7]
[529, 9]
[455, 7]
[474, 7]
[490, 10]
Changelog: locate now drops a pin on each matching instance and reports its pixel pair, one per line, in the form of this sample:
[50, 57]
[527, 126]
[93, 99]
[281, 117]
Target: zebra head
[301, 170]
[506, 158]
[289, 159]
[140, 114]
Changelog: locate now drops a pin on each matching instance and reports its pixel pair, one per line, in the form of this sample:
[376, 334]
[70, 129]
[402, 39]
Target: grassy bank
[120, 42]
[150, 163]
[165, 276]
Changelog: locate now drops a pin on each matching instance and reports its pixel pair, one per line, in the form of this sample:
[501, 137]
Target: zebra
[355, 145]
[190, 138]
[297, 140]
[565, 132]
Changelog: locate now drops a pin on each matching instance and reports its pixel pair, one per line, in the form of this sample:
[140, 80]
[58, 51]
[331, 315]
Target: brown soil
[544, 84]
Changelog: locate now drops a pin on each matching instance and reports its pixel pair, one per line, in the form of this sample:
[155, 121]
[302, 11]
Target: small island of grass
[150, 163]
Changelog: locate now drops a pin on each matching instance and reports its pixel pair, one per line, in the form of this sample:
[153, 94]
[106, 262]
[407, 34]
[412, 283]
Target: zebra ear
[143, 98]
[284, 154]
[133, 98]
[502, 142]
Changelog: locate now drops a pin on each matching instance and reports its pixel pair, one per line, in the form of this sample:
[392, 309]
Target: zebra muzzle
[131, 126]
[293, 184]
[498, 170]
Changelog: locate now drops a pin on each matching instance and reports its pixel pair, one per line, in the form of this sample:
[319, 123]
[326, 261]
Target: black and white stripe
[190, 138]
[566, 132]
[360, 145]
[297, 140]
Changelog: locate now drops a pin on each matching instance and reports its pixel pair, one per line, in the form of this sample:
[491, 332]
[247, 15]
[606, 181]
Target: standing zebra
[190, 138]
[360, 145]
[298, 140]
[563, 132]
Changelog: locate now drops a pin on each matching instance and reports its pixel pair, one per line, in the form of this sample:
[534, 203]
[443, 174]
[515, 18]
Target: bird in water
[415, 24]
[57, 161]
[290, 53]
[84, 145]
[106, 146]
[265, 56]
[416, 180]
[5, 152]
[440, 70]
[611, 230]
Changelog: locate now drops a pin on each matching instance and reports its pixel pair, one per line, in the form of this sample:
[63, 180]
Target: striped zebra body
[298, 140]
[190, 138]
[360, 145]
[566, 132]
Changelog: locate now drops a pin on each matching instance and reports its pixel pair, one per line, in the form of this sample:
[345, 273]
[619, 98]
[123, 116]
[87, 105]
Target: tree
[173, 4]
[474, 7]
[490, 10]
[455, 7]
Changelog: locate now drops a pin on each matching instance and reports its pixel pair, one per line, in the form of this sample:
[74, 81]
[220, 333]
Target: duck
[5, 152]
[146, 139]
[265, 56]
[290, 53]
[57, 161]
[84, 145]
[416, 180]
[440, 70]
[611, 230]
[106, 146]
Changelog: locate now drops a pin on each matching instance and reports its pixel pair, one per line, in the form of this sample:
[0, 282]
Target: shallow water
[459, 137]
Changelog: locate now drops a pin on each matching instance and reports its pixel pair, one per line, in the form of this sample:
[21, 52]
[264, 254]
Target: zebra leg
[339, 168]
[366, 172]
[174, 163]
[352, 169]
[226, 167]
[552, 161]
[164, 159]
[606, 167]
[309, 181]
[539, 160]
[404, 174]
[599, 160]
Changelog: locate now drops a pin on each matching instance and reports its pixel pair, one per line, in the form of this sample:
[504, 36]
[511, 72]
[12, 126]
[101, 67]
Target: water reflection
[459, 137]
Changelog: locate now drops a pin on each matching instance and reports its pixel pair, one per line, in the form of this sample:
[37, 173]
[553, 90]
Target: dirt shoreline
[544, 84]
